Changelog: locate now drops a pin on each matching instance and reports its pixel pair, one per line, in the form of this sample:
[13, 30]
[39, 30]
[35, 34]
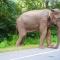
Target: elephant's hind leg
[22, 34]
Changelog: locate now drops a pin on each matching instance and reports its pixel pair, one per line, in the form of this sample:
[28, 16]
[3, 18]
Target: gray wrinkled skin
[38, 20]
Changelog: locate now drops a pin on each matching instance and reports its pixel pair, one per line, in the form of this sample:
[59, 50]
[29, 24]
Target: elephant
[38, 20]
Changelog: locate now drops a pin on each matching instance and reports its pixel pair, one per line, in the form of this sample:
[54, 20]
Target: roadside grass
[14, 48]
[10, 45]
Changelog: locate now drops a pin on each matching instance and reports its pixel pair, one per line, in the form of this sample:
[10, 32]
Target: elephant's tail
[17, 22]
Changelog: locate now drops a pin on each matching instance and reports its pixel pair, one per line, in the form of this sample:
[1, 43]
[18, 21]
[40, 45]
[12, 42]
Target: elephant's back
[35, 12]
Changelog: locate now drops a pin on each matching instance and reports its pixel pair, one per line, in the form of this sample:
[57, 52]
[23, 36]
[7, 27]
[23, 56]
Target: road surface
[32, 54]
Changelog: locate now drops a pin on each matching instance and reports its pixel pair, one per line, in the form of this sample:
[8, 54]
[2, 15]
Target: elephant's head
[55, 18]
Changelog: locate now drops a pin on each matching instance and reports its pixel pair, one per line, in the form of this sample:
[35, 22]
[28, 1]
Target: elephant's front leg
[48, 38]
[58, 34]
[58, 41]
[43, 31]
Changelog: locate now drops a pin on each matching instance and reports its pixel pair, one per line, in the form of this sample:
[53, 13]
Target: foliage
[30, 4]
[7, 17]
[28, 41]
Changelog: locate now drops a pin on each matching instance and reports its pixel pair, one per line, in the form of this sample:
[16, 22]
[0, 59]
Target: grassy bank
[28, 41]
[14, 48]
[10, 45]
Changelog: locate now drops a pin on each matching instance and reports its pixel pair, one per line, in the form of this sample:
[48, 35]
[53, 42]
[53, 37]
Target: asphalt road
[32, 54]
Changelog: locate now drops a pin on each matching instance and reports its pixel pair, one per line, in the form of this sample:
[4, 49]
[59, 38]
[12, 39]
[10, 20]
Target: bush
[8, 16]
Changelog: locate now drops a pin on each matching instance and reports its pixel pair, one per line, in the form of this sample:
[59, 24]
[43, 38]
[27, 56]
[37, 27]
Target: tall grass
[11, 41]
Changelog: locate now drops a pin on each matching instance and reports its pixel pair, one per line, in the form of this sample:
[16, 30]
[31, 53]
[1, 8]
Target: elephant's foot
[50, 46]
[18, 44]
[42, 47]
[55, 47]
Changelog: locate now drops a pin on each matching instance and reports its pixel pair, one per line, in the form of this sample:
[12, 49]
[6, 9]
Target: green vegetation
[28, 41]
[9, 11]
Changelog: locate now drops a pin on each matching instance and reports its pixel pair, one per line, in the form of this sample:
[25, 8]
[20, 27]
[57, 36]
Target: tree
[51, 3]
[7, 17]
